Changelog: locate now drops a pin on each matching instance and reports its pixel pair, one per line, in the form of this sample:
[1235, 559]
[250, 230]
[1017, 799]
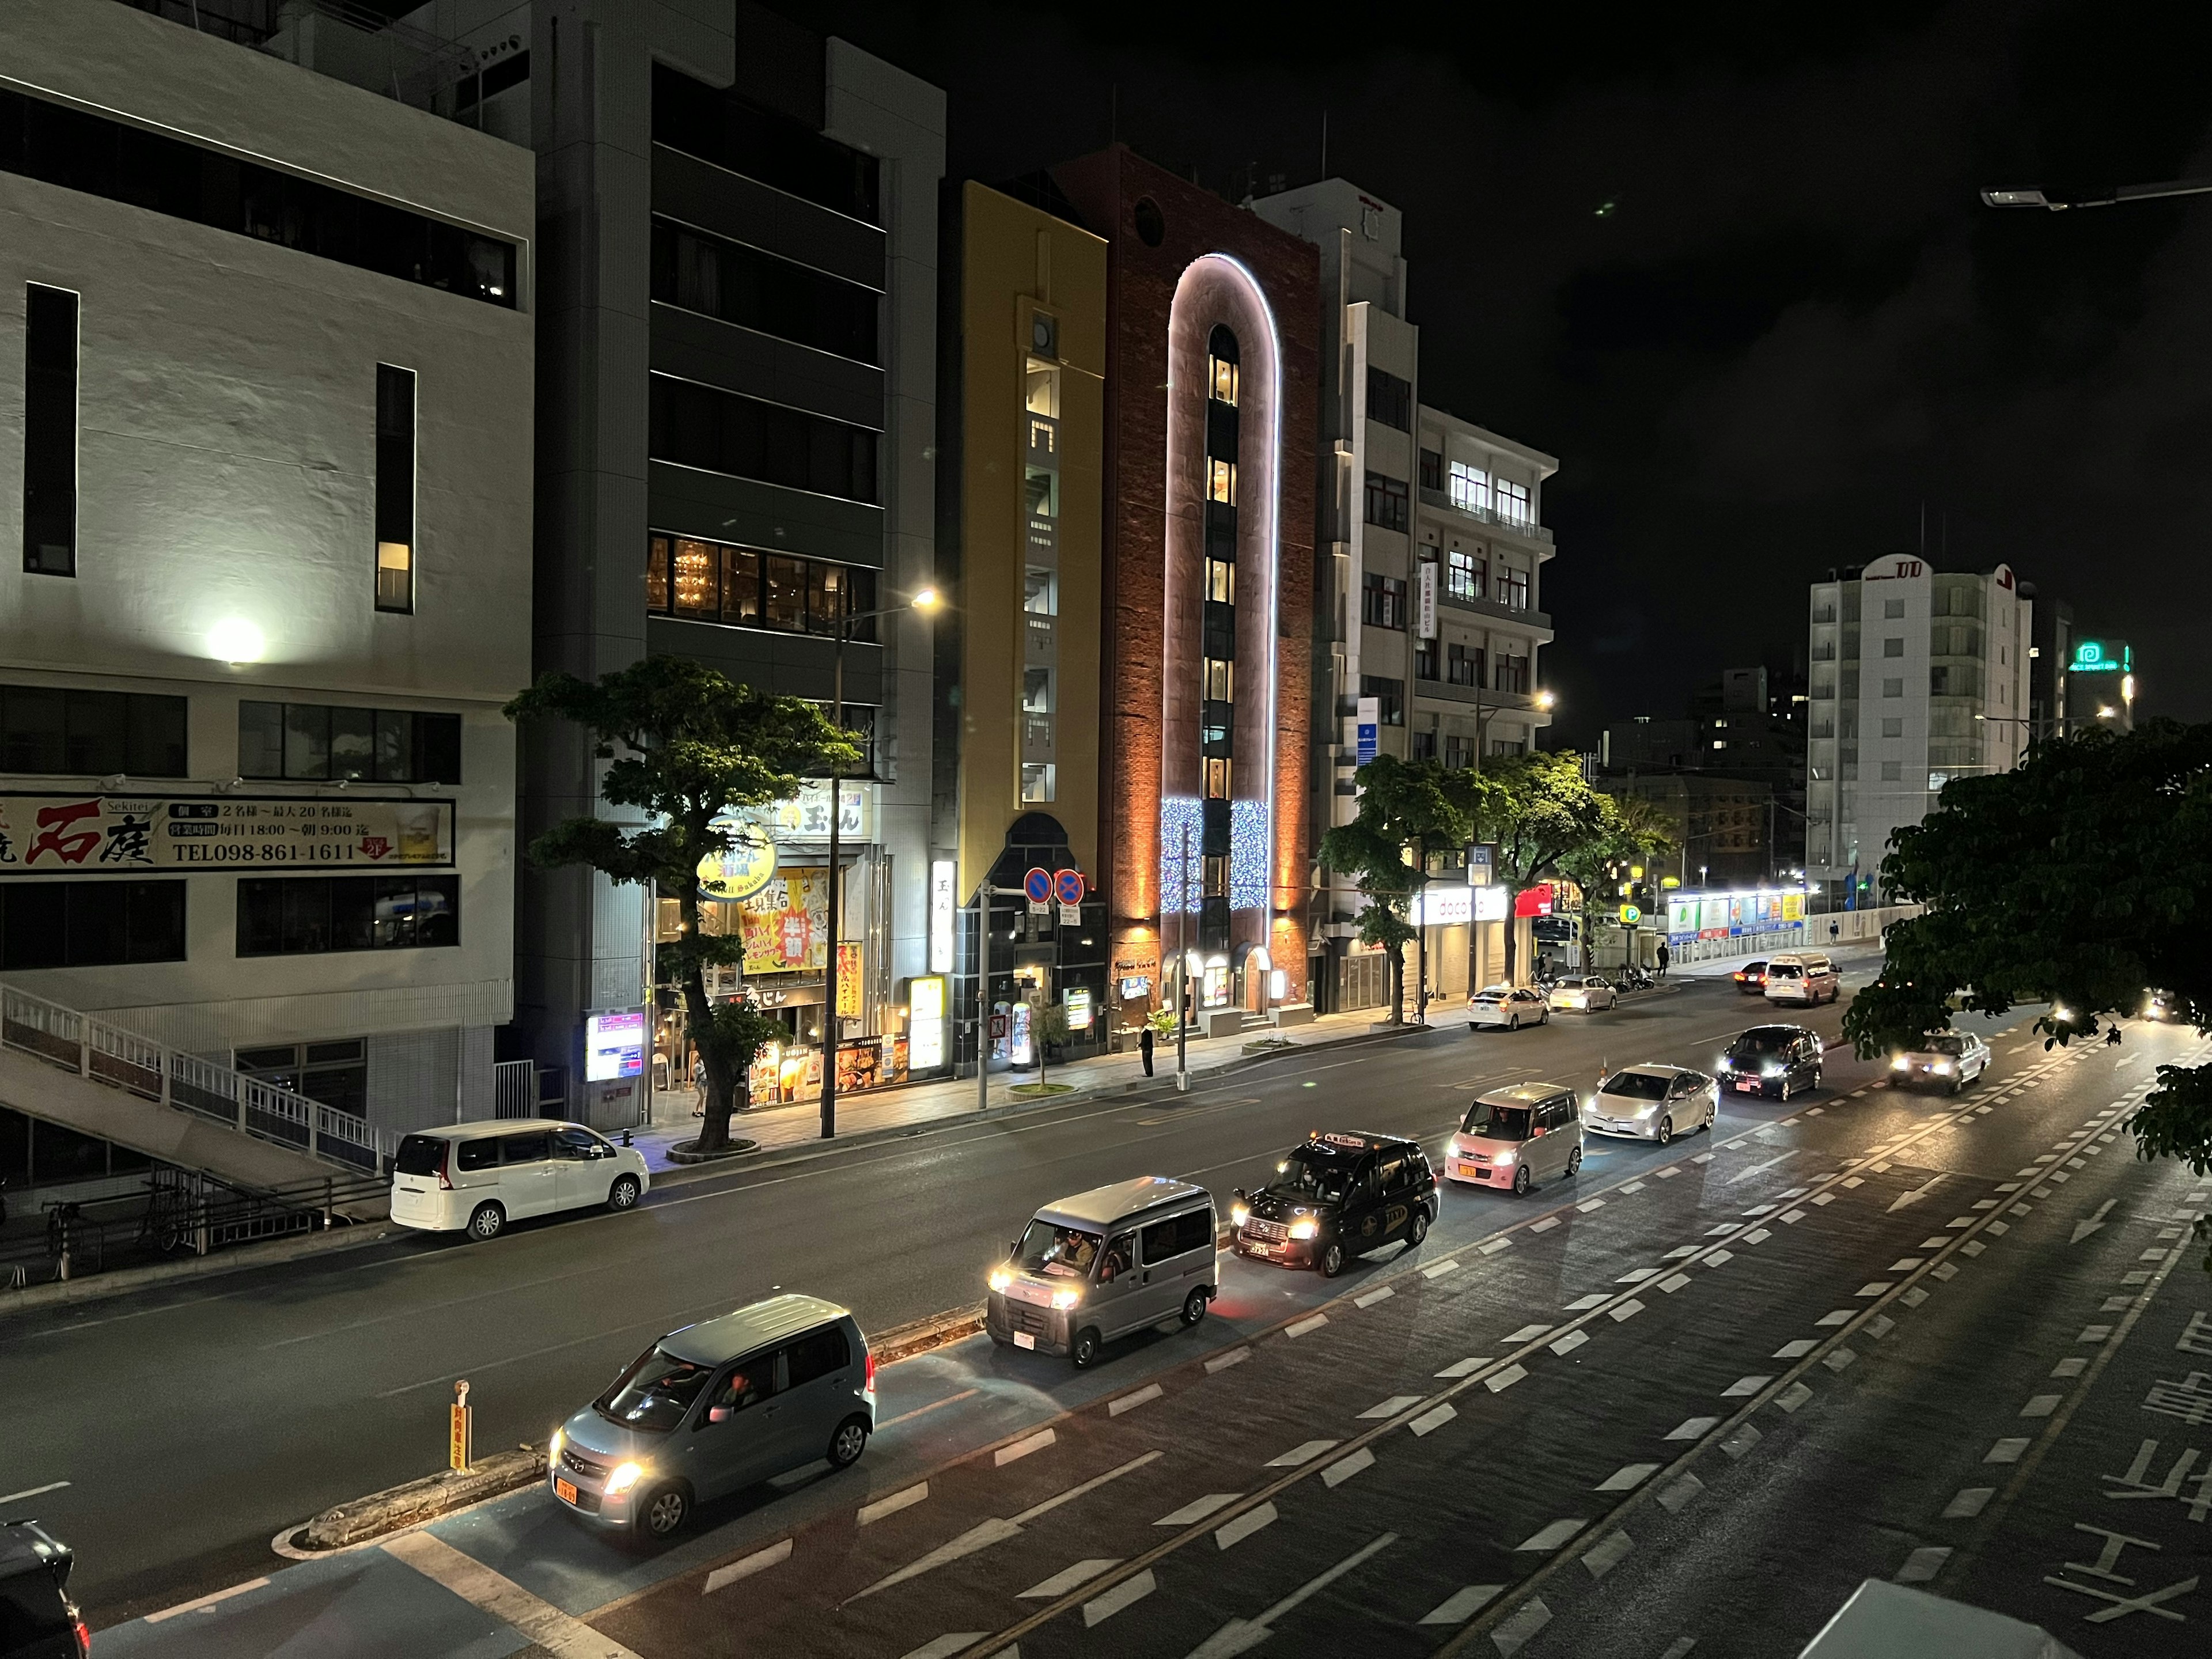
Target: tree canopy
[685, 746]
[2083, 877]
[1408, 809]
[1541, 811]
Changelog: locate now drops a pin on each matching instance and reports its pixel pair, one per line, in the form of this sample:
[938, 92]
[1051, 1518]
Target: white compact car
[477, 1177]
[1653, 1101]
[1945, 1059]
[1583, 994]
[1508, 1006]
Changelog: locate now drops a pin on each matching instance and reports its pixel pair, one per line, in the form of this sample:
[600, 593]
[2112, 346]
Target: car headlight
[1771, 1070]
[1239, 1215]
[1001, 1279]
[553, 1446]
[1308, 1228]
[1942, 1066]
[1503, 1157]
[1900, 1064]
[625, 1476]
[1647, 1108]
[1066, 1297]
[2064, 1016]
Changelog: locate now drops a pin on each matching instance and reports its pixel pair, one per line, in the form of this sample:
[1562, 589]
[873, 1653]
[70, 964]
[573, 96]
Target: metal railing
[514, 1088]
[92, 1047]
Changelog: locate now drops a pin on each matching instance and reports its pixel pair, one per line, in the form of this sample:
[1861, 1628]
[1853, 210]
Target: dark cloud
[1793, 329]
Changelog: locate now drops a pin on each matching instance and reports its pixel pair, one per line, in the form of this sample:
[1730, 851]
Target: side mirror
[717, 1413]
[1237, 1192]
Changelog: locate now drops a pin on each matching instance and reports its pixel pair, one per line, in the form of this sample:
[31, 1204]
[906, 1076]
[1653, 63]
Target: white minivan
[1806, 976]
[477, 1177]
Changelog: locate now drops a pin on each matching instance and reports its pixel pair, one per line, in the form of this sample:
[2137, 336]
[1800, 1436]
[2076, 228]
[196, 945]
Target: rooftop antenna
[1324, 143]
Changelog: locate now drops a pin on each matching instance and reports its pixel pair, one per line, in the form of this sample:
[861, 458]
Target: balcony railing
[1527, 527]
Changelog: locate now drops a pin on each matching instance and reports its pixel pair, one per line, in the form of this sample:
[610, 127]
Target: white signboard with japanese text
[94, 835]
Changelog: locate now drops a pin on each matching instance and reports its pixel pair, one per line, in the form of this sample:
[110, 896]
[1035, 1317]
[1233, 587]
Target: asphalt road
[193, 1424]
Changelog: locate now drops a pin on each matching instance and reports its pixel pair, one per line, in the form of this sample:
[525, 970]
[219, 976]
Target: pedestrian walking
[1145, 1047]
[1662, 959]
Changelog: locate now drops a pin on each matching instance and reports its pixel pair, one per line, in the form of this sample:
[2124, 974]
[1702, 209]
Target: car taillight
[868, 1383]
[445, 1181]
[84, 1632]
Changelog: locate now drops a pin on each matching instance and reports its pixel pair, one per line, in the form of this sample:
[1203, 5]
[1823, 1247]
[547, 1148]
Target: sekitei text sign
[122, 835]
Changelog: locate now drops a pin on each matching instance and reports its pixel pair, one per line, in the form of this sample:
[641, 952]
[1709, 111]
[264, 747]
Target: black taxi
[1337, 1195]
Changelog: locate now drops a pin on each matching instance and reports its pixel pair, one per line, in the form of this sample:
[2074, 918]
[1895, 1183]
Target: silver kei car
[1653, 1103]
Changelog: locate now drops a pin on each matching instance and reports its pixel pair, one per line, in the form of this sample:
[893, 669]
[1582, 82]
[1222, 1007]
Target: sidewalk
[878, 1111]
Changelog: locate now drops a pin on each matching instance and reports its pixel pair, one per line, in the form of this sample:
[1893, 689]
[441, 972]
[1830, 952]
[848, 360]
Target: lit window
[1221, 581]
[1037, 691]
[1221, 482]
[1510, 500]
[1220, 680]
[1041, 592]
[1468, 488]
[1217, 780]
[1043, 393]
[395, 488]
[1222, 380]
[1041, 489]
[1038, 783]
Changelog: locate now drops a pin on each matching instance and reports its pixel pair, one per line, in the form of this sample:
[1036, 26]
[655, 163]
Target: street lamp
[2037, 199]
[926, 601]
[1543, 700]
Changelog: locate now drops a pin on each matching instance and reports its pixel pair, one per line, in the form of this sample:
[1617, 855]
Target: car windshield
[1057, 1252]
[419, 1155]
[654, 1393]
[1311, 1173]
[1496, 1122]
[1944, 1045]
[1766, 1040]
[1636, 1085]
[1753, 966]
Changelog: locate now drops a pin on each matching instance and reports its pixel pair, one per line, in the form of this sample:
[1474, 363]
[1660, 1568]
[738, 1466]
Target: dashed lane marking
[1695, 1428]
[1429, 1421]
[1345, 1468]
[1127, 1593]
[1373, 1296]
[1550, 1537]
[1627, 1478]
[1035, 1443]
[1068, 1578]
[1924, 1565]
[1244, 1526]
[1968, 1503]
[1312, 1323]
[1300, 1455]
[1223, 1362]
[1199, 1507]
[534, 1620]
[1463, 1367]
[1129, 1402]
[1393, 1404]
[906, 1499]
[1461, 1605]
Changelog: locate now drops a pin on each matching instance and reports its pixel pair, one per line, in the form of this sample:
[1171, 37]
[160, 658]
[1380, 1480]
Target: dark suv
[1340, 1194]
[1772, 1060]
[37, 1618]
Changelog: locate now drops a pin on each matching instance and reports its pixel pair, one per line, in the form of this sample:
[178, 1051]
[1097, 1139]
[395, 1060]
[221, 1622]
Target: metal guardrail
[94, 1048]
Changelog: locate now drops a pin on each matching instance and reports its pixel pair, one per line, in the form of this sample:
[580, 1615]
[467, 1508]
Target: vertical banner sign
[943, 903]
[1369, 724]
[1425, 599]
[456, 1446]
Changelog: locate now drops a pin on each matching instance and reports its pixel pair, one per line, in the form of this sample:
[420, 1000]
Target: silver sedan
[1583, 995]
[1946, 1060]
[1653, 1101]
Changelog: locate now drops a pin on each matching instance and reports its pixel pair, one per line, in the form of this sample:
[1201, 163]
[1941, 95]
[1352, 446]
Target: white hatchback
[1510, 1006]
[1583, 994]
[477, 1177]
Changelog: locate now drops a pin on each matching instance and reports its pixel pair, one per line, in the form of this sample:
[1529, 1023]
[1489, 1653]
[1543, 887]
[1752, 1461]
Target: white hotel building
[266, 377]
[1918, 677]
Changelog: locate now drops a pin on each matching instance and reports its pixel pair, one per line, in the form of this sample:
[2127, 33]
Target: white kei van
[1806, 976]
[477, 1177]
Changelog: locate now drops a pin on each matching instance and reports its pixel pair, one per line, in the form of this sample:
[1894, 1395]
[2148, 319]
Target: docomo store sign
[127, 835]
[1443, 904]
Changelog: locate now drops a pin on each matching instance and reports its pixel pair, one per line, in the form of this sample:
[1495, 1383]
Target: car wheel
[487, 1223]
[849, 1443]
[1575, 1162]
[663, 1513]
[1085, 1349]
[622, 1195]
[1420, 1227]
[1332, 1260]
[1666, 1136]
[1520, 1181]
[1193, 1307]
[1513, 1023]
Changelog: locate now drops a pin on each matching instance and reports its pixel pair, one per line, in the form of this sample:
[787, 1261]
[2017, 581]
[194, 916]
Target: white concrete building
[266, 393]
[1918, 677]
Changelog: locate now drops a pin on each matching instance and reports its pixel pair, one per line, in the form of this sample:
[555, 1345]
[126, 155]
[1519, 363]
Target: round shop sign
[741, 871]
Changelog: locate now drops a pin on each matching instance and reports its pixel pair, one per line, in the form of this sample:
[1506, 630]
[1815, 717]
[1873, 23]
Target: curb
[244, 1257]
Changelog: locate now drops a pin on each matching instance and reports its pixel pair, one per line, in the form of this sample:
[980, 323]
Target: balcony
[1043, 442]
[1525, 527]
[1538, 623]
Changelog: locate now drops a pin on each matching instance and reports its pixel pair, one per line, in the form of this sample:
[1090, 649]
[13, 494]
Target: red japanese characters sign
[96, 835]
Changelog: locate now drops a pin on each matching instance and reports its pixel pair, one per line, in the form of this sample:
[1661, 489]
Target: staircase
[81, 1070]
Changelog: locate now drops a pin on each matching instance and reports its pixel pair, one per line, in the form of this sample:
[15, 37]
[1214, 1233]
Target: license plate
[567, 1489]
[1747, 1088]
[1023, 1340]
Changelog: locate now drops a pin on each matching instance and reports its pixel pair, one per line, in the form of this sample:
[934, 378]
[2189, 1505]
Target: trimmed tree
[1407, 810]
[2084, 877]
[1635, 831]
[685, 745]
[1540, 811]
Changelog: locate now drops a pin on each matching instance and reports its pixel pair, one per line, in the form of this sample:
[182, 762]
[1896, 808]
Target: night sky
[1734, 275]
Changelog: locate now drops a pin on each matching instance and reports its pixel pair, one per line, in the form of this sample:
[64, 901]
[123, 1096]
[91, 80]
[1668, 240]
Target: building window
[1466, 577]
[1221, 482]
[1423, 745]
[743, 285]
[1037, 690]
[1390, 399]
[1463, 664]
[741, 586]
[718, 431]
[314, 916]
[1221, 377]
[1386, 504]
[1469, 488]
[1217, 778]
[1424, 659]
[1221, 581]
[52, 730]
[1891, 771]
[1893, 646]
[1459, 753]
[1896, 688]
[304, 741]
[1892, 728]
[1510, 500]
[335, 1073]
[395, 488]
[49, 428]
[1892, 609]
[90, 924]
[1432, 469]
[1390, 698]
[1512, 588]
[724, 129]
[1382, 601]
[1038, 782]
[1513, 674]
[119, 163]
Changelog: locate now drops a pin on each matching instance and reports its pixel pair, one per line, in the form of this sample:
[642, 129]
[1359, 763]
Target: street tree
[1408, 810]
[686, 747]
[1634, 832]
[2083, 877]
[1541, 812]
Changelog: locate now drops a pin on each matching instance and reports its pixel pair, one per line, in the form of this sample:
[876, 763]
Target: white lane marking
[2074, 1365]
[1850, 1182]
[1567, 1344]
[1198, 1509]
[1035, 1510]
[1679, 1492]
[1585, 1304]
[1793, 1396]
[204, 1601]
[1924, 1565]
[1790, 1218]
[1035, 1443]
[946, 1646]
[1545, 1225]
[1589, 1204]
[1505, 1379]
[1527, 1333]
[1607, 1553]
[1461, 1367]
[1718, 1257]
[534, 1619]
[1746, 1173]
[1628, 1309]
[1301, 1454]
[1722, 1231]
[1667, 1173]
[1756, 1236]
[923, 1411]
[1969, 1503]
[1068, 1578]
[1679, 1252]
[1393, 1405]
[1438, 1269]
[1745, 1385]
[2041, 1406]
[1495, 1245]
[1127, 1593]
[1674, 1282]
[1223, 1362]
[980, 1536]
[1745, 1438]
[1429, 1421]
[746, 1566]
[871, 1513]
[1796, 1350]
[1627, 1478]
[1373, 1296]
[1824, 1198]
[56, 1485]
[1875, 1287]
[1345, 1468]
[1915, 1195]
[1314, 1323]
[1550, 1537]
[2006, 1451]
[1129, 1402]
[1633, 1187]
[1693, 1428]
[1914, 1297]
[1637, 1276]
[1514, 1634]
[1242, 1634]
[1244, 1526]
[1905, 1264]
[1836, 1360]
[1461, 1605]
[1702, 1157]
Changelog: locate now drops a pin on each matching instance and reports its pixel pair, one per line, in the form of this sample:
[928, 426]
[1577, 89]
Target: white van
[1806, 976]
[477, 1177]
